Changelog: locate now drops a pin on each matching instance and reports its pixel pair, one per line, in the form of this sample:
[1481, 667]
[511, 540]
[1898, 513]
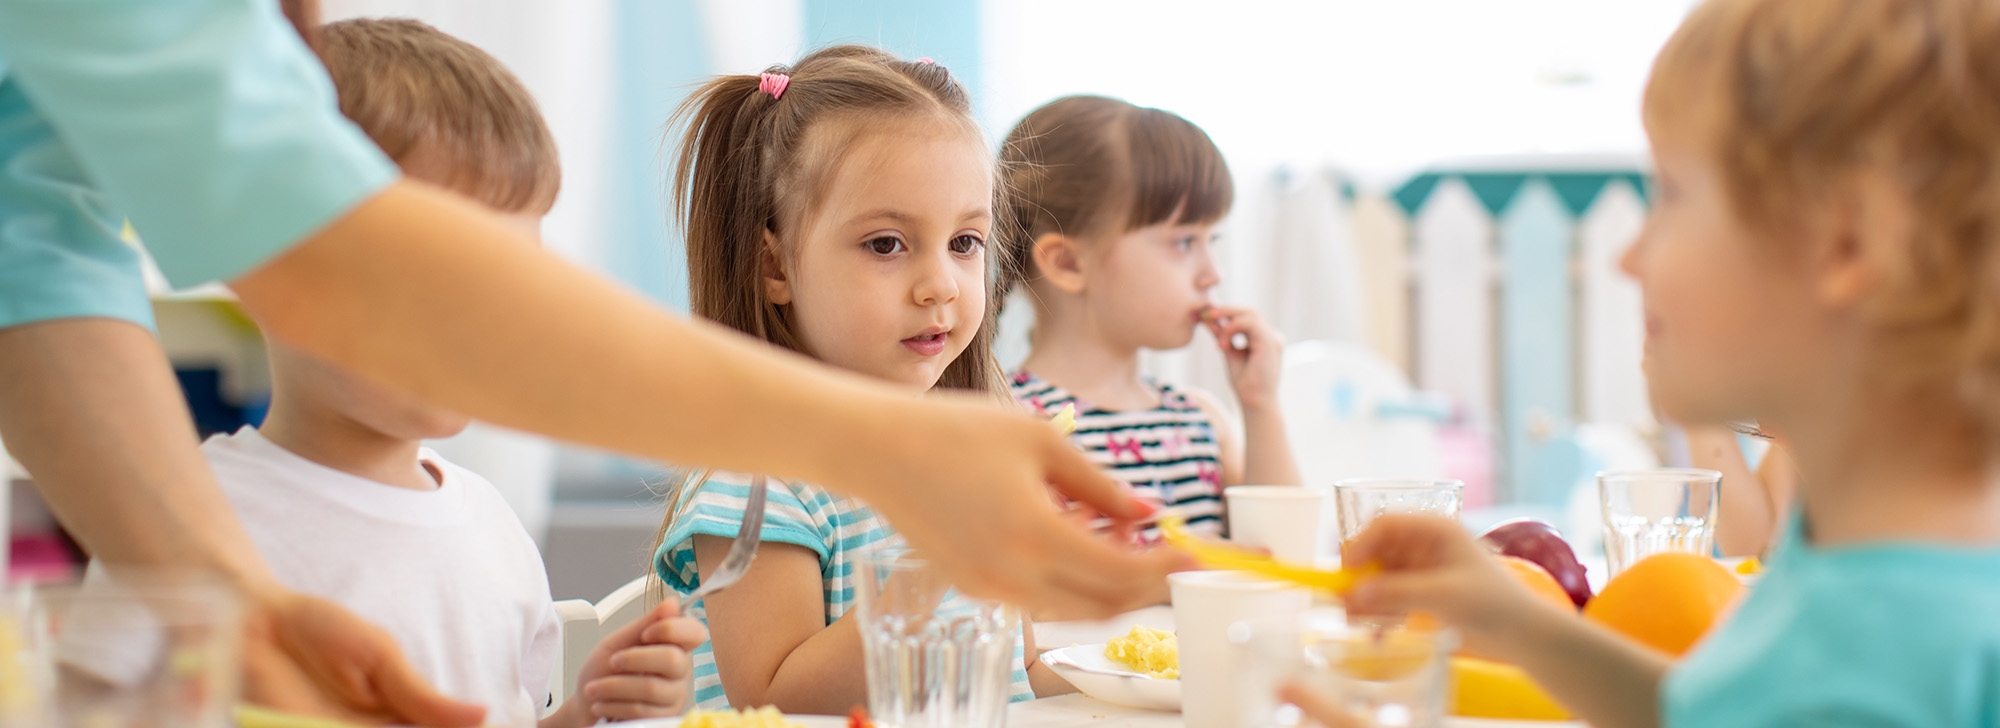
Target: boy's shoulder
[1901, 633]
[1902, 598]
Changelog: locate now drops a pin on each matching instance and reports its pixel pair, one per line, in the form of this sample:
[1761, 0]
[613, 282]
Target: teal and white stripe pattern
[835, 527]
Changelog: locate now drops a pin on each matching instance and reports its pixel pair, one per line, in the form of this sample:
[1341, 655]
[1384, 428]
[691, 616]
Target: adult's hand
[310, 656]
[516, 336]
[971, 497]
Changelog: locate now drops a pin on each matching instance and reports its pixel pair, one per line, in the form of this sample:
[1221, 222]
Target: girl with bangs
[1117, 208]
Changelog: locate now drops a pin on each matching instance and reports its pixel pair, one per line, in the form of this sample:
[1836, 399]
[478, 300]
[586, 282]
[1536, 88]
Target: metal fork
[742, 550]
[1749, 427]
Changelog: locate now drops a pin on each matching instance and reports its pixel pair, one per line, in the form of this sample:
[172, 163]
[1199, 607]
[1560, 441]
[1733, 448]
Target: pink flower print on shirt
[1131, 445]
[1175, 442]
[1210, 474]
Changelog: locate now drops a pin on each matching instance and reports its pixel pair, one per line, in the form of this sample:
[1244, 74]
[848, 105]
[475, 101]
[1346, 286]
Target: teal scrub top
[206, 123]
[1889, 634]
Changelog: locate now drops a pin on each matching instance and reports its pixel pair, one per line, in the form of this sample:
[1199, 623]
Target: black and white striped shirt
[1169, 450]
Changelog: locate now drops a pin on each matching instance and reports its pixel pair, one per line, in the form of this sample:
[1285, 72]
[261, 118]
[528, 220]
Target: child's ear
[777, 287]
[1059, 260]
[1866, 242]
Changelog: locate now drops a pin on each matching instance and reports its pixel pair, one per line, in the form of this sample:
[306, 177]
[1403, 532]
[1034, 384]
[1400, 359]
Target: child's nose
[936, 285]
[1628, 261]
[1208, 276]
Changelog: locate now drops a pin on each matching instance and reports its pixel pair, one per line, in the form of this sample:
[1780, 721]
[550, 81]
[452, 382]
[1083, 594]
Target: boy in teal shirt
[1823, 255]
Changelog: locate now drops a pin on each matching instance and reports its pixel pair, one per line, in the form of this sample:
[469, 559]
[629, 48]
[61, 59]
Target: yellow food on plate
[1485, 689]
[765, 717]
[1147, 651]
[1749, 567]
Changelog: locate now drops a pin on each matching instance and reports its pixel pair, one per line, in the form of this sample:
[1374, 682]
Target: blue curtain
[662, 55]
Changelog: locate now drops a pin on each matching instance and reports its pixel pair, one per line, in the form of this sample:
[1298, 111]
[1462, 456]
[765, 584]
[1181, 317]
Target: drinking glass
[1651, 511]
[1390, 678]
[935, 658]
[1362, 501]
[134, 649]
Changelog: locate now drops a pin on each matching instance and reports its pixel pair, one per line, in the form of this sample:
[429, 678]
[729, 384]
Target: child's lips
[929, 344]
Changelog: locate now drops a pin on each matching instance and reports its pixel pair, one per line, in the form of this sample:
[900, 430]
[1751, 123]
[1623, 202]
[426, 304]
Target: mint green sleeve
[207, 123]
[60, 251]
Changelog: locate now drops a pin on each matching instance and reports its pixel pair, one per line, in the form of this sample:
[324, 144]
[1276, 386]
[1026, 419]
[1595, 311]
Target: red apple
[1543, 544]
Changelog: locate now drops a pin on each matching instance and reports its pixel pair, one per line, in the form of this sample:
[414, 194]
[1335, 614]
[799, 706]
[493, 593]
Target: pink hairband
[927, 61]
[773, 84]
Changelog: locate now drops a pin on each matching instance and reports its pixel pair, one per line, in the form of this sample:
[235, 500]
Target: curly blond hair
[1796, 98]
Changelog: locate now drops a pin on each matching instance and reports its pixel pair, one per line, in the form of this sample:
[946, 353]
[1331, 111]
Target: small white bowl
[1095, 675]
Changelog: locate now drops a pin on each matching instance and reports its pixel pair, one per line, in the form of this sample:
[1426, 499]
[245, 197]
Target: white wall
[562, 52]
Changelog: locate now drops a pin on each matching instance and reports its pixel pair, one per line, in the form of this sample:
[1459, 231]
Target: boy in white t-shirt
[338, 492]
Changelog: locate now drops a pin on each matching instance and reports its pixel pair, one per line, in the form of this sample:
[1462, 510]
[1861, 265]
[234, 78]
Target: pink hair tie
[773, 84]
[927, 61]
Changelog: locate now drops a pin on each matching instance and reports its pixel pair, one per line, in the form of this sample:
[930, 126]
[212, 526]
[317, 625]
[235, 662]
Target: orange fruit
[1666, 601]
[1539, 581]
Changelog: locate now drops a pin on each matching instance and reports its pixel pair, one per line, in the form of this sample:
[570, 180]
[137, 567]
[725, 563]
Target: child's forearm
[1606, 680]
[1267, 453]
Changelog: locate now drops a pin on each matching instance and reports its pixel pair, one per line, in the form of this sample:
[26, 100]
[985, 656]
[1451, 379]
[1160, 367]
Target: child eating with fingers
[1116, 209]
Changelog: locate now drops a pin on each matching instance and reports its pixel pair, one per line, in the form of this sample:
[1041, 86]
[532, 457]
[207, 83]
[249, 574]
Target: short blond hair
[409, 86]
[1794, 98]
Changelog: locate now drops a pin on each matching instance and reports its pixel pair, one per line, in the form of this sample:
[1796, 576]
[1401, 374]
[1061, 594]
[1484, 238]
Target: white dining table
[1081, 711]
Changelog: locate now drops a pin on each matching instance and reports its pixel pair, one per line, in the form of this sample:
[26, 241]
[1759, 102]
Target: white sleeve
[539, 660]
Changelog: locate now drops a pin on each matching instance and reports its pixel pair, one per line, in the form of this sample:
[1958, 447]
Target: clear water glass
[935, 658]
[128, 650]
[24, 665]
[1396, 678]
[1653, 511]
[1360, 501]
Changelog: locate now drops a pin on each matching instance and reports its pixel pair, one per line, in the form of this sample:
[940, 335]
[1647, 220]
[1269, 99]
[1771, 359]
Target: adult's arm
[422, 290]
[90, 407]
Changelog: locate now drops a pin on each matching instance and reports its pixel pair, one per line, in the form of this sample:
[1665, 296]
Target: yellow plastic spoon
[1221, 556]
[251, 716]
[1065, 421]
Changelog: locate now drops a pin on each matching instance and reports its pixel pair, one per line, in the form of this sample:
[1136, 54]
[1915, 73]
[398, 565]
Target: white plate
[809, 721]
[1095, 675]
[1731, 562]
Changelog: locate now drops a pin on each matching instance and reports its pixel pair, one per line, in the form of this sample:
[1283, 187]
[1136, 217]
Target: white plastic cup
[1212, 612]
[1287, 519]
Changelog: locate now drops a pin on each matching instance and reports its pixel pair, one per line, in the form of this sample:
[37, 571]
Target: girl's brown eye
[884, 246]
[966, 244]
